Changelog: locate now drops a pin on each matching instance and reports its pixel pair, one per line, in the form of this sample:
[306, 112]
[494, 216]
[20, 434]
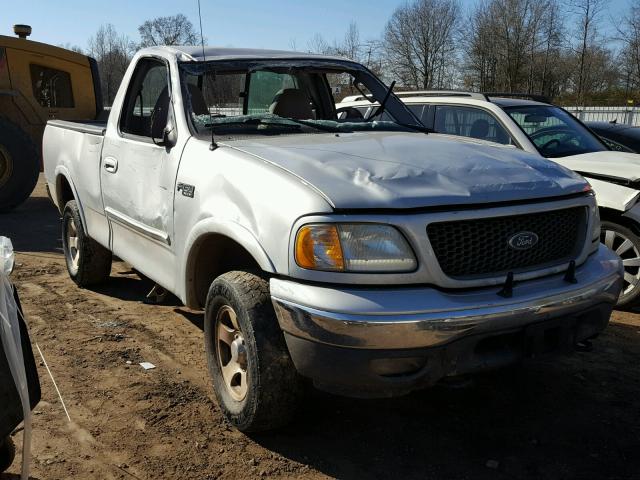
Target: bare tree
[372, 56]
[504, 45]
[552, 32]
[511, 45]
[630, 54]
[588, 15]
[420, 42]
[113, 53]
[351, 46]
[480, 49]
[514, 19]
[171, 30]
[317, 44]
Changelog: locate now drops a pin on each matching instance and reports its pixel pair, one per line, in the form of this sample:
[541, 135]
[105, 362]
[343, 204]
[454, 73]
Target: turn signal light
[318, 248]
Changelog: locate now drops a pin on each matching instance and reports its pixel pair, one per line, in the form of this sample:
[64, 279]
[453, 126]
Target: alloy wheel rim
[6, 166]
[231, 353]
[73, 253]
[630, 255]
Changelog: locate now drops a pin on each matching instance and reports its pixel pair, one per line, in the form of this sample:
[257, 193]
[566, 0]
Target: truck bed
[73, 149]
[94, 127]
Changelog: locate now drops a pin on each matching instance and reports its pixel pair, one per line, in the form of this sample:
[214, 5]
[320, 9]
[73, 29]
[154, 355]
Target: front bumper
[366, 326]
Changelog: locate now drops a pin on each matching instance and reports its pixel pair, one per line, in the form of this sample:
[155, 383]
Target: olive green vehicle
[38, 82]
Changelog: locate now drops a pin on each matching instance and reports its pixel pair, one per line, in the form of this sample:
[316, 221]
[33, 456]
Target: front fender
[613, 196]
[229, 229]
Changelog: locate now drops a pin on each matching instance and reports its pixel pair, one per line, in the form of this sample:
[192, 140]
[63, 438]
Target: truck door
[138, 174]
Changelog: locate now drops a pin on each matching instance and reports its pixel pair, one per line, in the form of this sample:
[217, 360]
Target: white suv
[530, 123]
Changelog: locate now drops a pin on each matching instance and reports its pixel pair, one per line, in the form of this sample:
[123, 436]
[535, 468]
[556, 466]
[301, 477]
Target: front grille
[480, 247]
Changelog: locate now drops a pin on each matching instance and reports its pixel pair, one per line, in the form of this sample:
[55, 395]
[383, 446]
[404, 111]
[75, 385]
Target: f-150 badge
[186, 189]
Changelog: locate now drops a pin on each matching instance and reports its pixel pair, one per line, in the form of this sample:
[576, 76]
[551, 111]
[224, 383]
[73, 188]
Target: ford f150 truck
[371, 257]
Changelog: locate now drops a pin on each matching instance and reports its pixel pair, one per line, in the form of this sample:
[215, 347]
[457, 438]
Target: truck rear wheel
[254, 379]
[7, 453]
[88, 262]
[19, 165]
[624, 242]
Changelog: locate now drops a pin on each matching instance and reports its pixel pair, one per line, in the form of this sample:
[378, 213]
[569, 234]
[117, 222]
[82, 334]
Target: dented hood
[411, 170]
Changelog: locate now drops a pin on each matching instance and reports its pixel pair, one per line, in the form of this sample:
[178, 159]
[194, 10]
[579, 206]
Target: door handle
[110, 164]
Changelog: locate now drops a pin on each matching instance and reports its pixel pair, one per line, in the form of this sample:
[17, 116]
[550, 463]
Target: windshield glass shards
[275, 97]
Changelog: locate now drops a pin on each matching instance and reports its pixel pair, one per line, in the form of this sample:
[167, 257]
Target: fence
[623, 115]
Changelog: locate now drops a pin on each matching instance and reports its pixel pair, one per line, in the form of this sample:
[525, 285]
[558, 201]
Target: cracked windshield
[276, 101]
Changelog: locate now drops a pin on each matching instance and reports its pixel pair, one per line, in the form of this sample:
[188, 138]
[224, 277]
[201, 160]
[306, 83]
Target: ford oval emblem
[523, 240]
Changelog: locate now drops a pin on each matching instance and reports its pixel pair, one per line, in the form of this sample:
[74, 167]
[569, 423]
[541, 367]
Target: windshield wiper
[383, 103]
[418, 128]
[324, 128]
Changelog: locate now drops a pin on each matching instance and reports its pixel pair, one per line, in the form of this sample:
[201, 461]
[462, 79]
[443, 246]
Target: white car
[547, 130]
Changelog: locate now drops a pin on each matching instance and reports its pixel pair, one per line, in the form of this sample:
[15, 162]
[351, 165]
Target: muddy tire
[7, 453]
[19, 165]
[88, 262]
[254, 379]
[625, 243]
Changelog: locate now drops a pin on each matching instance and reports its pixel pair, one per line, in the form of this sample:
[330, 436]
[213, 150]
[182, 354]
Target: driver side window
[146, 105]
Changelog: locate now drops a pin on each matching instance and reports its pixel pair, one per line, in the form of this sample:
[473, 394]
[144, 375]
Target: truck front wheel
[88, 262]
[19, 165]
[255, 382]
[7, 453]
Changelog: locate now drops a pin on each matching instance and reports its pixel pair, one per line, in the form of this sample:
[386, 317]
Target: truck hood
[411, 170]
[605, 164]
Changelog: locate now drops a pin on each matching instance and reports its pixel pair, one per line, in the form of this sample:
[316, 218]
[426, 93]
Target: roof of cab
[199, 54]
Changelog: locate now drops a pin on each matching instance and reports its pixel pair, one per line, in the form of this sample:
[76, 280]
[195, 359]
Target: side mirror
[349, 113]
[169, 137]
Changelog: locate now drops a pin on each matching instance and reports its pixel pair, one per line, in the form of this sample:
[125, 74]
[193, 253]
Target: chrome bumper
[402, 318]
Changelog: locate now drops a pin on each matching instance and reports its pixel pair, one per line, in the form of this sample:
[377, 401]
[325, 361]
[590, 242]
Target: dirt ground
[561, 418]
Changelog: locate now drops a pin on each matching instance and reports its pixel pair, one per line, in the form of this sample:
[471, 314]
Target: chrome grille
[480, 247]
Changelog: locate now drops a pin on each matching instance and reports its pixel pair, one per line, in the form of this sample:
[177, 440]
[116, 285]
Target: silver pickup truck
[371, 257]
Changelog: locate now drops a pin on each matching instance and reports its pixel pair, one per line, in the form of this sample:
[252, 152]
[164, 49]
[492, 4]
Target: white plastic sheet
[6, 256]
[12, 345]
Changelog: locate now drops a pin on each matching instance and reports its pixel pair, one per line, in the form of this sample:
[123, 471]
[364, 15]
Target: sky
[279, 24]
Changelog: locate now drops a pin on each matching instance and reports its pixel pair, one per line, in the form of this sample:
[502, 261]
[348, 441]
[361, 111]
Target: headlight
[353, 248]
[6, 256]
